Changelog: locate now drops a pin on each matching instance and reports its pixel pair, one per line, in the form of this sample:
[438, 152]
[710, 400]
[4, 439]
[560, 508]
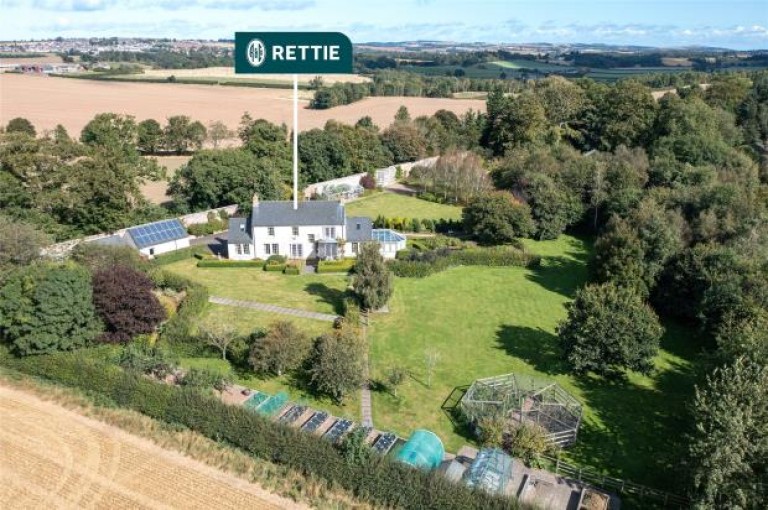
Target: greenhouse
[490, 471]
[423, 450]
[524, 399]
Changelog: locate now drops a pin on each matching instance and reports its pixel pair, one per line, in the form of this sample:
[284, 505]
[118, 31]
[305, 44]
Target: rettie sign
[292, 53]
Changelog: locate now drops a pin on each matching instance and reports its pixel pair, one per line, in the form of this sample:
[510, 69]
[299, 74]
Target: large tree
[150, 136]
[373, 280]
[20, 125]
[729, 448]
[282, 348]
[404, 141]
[497, 218]
[20, 242]
[124, 300]
[223, 177]
[610, 329]
[182, 134]
[46, 308]
[337, 366]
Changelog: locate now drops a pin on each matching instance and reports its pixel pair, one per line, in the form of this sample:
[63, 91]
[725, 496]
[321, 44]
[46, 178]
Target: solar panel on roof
[156, 233]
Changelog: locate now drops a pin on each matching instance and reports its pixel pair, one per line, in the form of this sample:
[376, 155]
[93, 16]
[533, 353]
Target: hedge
[377, 479]
[178, 255]
[292, 270]
[229, 263]
[272, 266]
[178, 328]
[335, 266]
[414, 264]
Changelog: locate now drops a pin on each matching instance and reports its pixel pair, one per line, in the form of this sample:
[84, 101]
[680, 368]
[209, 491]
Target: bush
[335, 266]
[394, 484]
[277, 259]
[272, 266]
[292, 269]
[419, 264]
[229, 263]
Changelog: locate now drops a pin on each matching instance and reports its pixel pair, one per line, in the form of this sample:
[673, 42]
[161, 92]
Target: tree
[402, 115]
[519, 121]
[111, 131]
[322, 156]
[553, 207]
[218, 131]
[497, 218]
[46, 308]
[182, 134]
[284, 347]
[368, 181]
[20, 243]
[373, 280]
[20, 125]
[219, 335]
[609, 329]
[395, 377]
[404, 141]
[527, 441]
[124, 300]
[626, 114]
[225, 176]
[337, 365]
[96, 257]
[150, 136]
[729, 447]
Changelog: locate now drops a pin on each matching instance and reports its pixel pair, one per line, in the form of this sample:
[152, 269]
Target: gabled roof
[151, 234]
[239, 231]
[359, 229]
[282, 213]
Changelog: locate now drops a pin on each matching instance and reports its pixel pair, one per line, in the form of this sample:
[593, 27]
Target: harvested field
[47, 101]
[51, 457]
[155, 192]
[229, 72]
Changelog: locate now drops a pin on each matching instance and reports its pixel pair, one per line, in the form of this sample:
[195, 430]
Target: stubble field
[51, 457]
[48, 101]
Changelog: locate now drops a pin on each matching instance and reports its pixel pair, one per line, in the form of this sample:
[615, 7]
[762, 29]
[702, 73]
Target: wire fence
[608, 483]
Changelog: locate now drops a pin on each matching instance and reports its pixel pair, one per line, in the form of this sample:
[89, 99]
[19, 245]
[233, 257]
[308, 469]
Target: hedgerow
[229, 263]
[420, 264]
[377, 479]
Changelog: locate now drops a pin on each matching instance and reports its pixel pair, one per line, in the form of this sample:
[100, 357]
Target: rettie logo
[256, 53]
[292, 53]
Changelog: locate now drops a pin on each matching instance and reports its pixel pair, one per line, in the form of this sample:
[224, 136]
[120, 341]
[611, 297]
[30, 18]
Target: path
[51, 457]
[366, 414]
[264, 307]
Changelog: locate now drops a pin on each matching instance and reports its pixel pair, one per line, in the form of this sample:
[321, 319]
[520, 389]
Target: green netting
[273, 405]
[423, 450]
[490, 470]
[255, 400]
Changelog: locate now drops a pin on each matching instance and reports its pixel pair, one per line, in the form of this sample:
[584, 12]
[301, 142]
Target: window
[359, 226]
[295, 231]
[270, 231]
[151, 251]
[297, 251]
[330, 232]
[247, 249]
[242, 227]
[311, 238]
[275, 249]
[239, 249]
[355, 247]
[266, 249]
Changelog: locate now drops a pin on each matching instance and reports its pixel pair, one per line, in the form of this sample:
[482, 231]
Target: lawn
[393, 205]
[316, 292]
[247, 321]
[492, 321]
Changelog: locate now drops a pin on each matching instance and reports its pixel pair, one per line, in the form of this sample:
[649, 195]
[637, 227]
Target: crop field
[48, 101]
[229, 72]
[51, 457]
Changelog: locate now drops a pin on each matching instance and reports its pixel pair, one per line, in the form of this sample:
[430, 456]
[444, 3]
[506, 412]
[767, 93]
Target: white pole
[295, 141]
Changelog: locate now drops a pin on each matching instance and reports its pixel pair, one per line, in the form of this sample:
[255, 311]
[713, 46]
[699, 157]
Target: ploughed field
[51, 457]
[48, 101]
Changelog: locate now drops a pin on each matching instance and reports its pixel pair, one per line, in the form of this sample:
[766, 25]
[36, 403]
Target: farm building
[312, 230]
[522, 399]
[151, 238]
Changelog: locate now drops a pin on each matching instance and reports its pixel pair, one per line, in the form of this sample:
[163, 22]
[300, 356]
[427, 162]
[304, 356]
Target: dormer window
[295, 231]
[359, 226]
[270, 231]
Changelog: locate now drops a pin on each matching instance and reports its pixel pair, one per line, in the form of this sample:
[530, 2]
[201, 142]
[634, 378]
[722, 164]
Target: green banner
[292, 53]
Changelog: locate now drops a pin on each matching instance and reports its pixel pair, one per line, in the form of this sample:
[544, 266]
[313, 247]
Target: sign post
[293, 53]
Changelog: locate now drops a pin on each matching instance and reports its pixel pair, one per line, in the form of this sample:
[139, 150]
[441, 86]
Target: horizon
[741, 25]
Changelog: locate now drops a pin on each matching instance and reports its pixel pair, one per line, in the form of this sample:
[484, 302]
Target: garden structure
[523, 399]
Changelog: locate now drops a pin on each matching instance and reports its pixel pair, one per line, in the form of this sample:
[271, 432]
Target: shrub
[404, 254]
[368, 181]
[335, 266]
[277, 259]
[284, 347]
[229, 263]
[351, 308]
[204, 379]
[292, 269]
[419, 264]
[272, 266]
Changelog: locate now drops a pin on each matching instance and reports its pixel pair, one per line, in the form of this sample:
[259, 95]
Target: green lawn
[246, 321]
[316, 292]
[393, 205]
[492, 321]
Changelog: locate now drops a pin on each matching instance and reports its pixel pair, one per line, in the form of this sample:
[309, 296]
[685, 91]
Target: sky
[738, 24]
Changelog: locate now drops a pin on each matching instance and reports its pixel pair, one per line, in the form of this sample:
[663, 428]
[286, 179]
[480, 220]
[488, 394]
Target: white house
[315, 229]
[151, 238]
